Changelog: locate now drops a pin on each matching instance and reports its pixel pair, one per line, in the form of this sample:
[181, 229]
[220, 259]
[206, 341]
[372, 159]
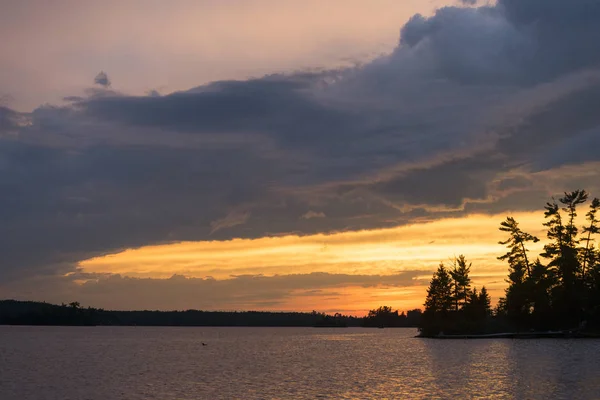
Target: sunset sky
[284, 155]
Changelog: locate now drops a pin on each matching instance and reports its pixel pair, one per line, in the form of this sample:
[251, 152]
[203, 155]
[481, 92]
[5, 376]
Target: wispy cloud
[232, 219]
[313, 214]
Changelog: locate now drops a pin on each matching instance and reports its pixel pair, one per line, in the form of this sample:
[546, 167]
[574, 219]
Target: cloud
[470, 99]
[313, 214]
[232, 219]
[245, 292]
[102, 79]
[7, 117]
[5, 99]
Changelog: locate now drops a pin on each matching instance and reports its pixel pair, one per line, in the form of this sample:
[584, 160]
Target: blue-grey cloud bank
[478, 109]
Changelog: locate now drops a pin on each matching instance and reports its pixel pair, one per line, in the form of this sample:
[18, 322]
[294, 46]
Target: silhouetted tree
[500, 310]
[590, 268]
[485, 302]
[33, 313]
[517, 294]
[461, 281]
[562, 251]
[540, 286]
[478, 306]
[385, 316]
[439, 302]
[516, 242]
[413, 317]
[440, 292]
[588, 253]
[561, 292]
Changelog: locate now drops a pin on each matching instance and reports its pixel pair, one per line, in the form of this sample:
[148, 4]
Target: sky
[284, 155]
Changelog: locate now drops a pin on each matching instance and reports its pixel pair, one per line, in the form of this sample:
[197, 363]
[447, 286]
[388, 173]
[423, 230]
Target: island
[554, 295]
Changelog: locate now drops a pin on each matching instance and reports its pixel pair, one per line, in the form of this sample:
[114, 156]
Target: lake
[107, 363]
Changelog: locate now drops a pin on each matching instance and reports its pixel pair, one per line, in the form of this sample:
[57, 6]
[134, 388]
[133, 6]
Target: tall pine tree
[592, 228]
[518, 302]
[462, 281]
[439, 293]
[562, 252]
[438, 304]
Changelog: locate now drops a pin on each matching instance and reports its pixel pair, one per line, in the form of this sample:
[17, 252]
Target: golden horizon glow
[417, 247]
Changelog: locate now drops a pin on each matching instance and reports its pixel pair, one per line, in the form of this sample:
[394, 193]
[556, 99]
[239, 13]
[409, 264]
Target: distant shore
[13, 312]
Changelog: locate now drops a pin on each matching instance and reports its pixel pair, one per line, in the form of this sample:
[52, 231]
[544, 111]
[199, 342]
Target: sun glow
[418, 247]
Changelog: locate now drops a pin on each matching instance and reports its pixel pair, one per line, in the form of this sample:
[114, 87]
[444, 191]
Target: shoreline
[518, 335]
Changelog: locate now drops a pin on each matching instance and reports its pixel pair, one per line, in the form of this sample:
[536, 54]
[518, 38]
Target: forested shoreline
[14, 312]
[557, 291]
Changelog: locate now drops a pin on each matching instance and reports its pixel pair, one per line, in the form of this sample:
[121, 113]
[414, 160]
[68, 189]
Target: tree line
[14, 312]
[452, 305]
[558, 290]
[386, 317]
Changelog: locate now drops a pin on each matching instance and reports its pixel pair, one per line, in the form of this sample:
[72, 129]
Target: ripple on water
[286, 363]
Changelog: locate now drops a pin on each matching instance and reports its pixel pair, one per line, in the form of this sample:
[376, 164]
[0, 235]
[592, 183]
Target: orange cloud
[418, 247]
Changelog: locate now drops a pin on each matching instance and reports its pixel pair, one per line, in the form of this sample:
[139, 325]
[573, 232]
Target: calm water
[287, 363]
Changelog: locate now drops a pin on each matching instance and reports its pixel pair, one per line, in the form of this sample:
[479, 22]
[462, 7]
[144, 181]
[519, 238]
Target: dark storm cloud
[448, 183]
[564, 33]
[71, 203]
[470, 98]
[8, 120]
[516, 41]
[472, 45]
[517, 182]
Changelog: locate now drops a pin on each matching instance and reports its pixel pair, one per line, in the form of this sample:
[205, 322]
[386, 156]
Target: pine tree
[471, 311]
[563, 254]
[517, 254]
[462, 282]
[540, 286]
[485, 302]
[438, 304]
[474, 315]
[439, 293]
[518, 291]
[593, 298]
[592, 229]
[562, 250]
[501, 309]
[589, 256]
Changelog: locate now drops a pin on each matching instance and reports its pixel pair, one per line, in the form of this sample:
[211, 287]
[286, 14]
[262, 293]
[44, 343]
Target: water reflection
[560, 369]
[514, 369]
[287, 363]
[470, 369]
